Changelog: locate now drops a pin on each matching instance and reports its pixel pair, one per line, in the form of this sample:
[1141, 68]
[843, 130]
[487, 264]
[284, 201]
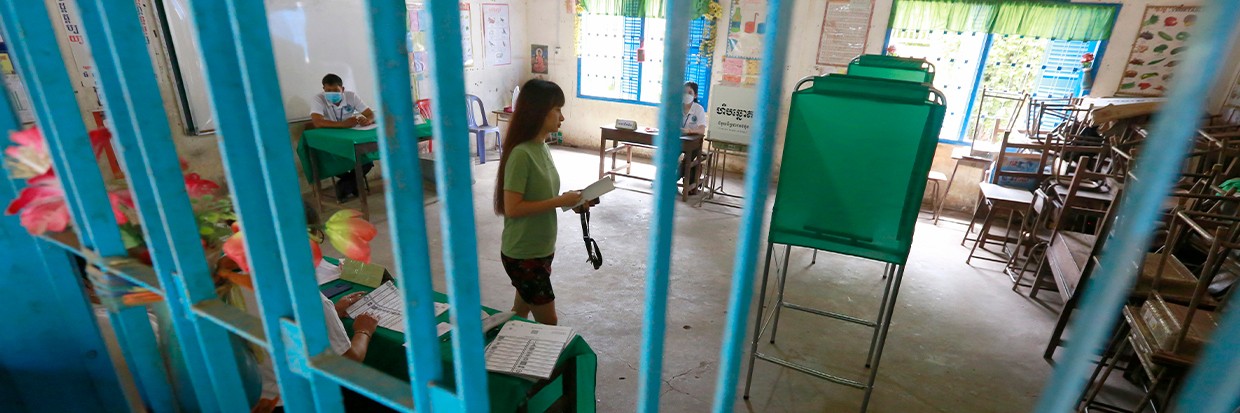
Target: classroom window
[610, 68]
[966, 63]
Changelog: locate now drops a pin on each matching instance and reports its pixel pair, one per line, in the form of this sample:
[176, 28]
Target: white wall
[492, 84]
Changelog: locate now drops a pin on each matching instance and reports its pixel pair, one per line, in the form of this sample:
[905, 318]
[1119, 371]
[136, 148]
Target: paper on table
[594, 191]
[326, 272]
[367, 127]
[527, 350]
[384, 304]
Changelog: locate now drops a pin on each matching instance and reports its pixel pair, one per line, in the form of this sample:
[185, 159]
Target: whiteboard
[310, 38]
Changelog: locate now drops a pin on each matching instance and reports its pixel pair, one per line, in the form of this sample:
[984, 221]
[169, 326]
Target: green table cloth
[333, 148]
[508, 393]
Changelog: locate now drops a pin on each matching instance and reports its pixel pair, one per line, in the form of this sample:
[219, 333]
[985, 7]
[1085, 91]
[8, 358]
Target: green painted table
[570, 389]
[339, 150]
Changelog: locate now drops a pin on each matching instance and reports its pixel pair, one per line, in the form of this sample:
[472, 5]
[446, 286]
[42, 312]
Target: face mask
[333, 97]
[688, 99]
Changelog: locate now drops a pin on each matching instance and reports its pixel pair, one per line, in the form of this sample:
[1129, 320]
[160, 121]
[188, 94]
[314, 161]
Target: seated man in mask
[339, 108]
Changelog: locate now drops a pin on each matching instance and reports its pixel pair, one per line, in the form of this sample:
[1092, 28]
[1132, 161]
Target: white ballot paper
[594, 191]
[527, 350]
[383, 303]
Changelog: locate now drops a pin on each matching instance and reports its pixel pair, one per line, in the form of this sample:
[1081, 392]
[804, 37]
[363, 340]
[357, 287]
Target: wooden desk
[626, 140]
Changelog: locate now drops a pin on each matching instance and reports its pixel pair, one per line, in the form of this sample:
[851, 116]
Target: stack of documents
[527, 350]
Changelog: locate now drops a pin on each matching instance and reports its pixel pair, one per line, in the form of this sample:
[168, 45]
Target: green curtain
[637, 8]
[1041, 18]
[1062, 21]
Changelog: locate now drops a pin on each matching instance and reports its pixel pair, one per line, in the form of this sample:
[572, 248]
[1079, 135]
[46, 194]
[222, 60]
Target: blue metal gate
[58, 367]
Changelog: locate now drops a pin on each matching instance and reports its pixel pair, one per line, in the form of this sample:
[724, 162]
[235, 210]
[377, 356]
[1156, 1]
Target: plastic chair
[480, 130]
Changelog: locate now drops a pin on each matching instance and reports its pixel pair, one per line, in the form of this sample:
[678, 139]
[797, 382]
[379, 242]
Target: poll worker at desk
[340, 108]
[693, 124]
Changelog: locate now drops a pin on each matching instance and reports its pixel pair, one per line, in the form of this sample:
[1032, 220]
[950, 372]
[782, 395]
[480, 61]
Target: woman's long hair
[536, 99]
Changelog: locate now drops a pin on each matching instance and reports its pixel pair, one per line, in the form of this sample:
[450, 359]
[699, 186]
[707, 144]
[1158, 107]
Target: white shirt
[696, 116]
[350, 106]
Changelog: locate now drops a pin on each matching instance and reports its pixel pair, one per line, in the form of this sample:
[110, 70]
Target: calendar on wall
[845, 27]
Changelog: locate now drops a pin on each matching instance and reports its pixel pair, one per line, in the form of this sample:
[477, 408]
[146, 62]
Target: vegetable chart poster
[1159, 47]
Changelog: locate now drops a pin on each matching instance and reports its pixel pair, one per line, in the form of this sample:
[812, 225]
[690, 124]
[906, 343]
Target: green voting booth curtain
[1039, 18]
[637, 8]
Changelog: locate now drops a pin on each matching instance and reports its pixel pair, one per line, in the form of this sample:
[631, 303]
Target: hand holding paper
[594, 191]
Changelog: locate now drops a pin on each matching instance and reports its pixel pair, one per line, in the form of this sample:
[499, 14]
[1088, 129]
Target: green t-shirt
[531, 172]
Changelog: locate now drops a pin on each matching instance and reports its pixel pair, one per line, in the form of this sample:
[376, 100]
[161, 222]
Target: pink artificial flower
[350, 234]
[1088, 57]
[29, 157]
[198, 187]
[41, 204]
[234, 249]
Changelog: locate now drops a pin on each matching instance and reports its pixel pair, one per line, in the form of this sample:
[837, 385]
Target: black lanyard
[595, 256]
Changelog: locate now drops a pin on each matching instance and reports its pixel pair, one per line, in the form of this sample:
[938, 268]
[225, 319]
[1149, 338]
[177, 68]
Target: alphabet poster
[496, 32]
[1158, 49]
[467, 35]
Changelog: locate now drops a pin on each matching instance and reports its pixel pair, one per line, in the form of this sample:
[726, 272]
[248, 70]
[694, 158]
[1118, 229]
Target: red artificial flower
[1088, 57]
[234, 249]
[350, 234]
[100, 139]
[197, 187]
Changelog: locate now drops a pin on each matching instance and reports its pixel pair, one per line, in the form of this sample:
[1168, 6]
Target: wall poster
[467, 35]
[845, 27]
[746, 29]
[1159, 46]
[496, 34]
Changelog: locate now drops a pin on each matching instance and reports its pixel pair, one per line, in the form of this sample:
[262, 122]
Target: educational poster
[731, 113]
[733, 70]
[82, 63]
[496, 34]
[17, 92]
[1019, 162]
[845, 26]
[467, 35]
[746, 29]
[1159, 47]
[538, 59]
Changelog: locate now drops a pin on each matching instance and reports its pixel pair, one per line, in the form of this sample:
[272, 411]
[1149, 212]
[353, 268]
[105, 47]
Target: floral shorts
[531, 277]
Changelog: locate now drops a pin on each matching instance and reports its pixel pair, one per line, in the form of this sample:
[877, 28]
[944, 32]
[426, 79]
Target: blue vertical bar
[757, 186]
[405, 209]
[1213, 385]
[671, 111]
[1156, 168]
[454, 185]
[244, 93]
[36, 52]
[94, 381]
[145, 148]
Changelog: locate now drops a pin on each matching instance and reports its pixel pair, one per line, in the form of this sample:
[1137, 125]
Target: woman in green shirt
[526, 191]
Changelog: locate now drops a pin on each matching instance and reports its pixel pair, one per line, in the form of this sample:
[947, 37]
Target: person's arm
[321, 122]
[342, 306]
[369, 117]
[694, 130]
[515, 205]
[363, 328]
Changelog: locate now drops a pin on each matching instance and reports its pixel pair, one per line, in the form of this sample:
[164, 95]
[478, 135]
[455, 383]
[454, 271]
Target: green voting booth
[855, 158]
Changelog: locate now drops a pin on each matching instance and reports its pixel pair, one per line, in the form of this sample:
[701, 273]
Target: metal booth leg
[779, 302]
[882, 337]
[757, 324]
[882, 308]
